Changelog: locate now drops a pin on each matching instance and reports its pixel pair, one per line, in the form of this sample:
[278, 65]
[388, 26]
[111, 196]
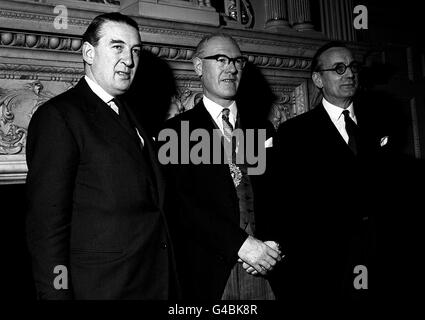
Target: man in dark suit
[215, 226]
[326, 161]
[96, 226]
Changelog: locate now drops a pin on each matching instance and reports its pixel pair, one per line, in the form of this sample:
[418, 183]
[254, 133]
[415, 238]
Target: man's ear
[317, 80]
[197, 65]
[88, 53]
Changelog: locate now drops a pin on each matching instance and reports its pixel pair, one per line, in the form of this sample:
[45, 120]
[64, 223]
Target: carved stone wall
[40, 59]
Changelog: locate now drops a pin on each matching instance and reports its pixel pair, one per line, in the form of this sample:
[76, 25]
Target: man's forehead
[220, 44]
[111, 29]
[336, 54]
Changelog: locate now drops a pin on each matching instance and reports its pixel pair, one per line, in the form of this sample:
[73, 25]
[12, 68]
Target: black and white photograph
[213, 158]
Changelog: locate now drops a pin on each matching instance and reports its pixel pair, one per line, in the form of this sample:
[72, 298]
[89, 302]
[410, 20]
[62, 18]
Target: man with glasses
[324, 156]
[217, 250]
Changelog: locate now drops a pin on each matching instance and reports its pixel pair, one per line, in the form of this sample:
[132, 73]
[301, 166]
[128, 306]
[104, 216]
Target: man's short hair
[202, 44]
[315, 64]
[92, 34]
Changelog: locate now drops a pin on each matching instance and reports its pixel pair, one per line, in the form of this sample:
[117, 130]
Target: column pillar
[300, 15]
[276, 15]
[337, 19]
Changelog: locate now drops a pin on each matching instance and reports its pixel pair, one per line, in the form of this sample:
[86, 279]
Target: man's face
[337, 89]
[220, 83]
[113, 62]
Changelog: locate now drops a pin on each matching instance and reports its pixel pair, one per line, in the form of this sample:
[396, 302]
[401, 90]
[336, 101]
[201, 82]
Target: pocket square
[268, 143]
[384, 141]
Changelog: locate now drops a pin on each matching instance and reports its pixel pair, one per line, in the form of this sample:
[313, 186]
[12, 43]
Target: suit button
[164, 245]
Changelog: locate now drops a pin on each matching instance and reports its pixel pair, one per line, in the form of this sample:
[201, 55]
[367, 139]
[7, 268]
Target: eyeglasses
[340, 68]
[223, 61]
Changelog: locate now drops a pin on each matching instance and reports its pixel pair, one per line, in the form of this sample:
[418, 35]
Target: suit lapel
[106, 121]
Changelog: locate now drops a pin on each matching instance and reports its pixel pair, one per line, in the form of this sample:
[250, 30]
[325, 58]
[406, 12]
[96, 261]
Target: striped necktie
[230, 143]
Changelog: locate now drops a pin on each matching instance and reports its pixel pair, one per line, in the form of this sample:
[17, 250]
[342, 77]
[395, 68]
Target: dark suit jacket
[93, 205]
[325, 225]
[206, 230]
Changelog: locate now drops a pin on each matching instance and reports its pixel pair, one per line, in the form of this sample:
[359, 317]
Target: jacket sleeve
[52, 158]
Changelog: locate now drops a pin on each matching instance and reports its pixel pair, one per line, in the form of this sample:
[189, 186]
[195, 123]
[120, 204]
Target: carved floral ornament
[17, 105]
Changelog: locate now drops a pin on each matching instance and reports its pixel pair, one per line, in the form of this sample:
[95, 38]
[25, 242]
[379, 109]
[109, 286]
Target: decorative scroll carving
[184, 100]
[290, 102]
[281, 108]
[17, 105]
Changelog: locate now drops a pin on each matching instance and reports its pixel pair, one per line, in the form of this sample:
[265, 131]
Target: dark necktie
[126, 121]
[228, 129]
[123, 114]
[352, 131]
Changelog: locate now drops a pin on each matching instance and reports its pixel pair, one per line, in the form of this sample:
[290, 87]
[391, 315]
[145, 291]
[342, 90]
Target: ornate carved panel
[19, 99]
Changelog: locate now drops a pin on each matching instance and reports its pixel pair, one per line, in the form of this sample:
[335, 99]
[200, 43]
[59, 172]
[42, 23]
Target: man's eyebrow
[116, 41]
[113, 41]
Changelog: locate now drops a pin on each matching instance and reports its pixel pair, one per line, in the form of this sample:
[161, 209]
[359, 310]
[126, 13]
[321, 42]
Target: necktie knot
[117, 103]
[122, 113]
[346, 114]
[225, 114]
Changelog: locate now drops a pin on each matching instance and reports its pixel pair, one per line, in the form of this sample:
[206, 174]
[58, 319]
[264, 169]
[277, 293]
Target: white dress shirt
[102, 94]
[335, 113]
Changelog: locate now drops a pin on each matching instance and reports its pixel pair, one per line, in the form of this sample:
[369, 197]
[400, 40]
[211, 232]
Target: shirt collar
[335, 112]
[98, 90]
[214, 109]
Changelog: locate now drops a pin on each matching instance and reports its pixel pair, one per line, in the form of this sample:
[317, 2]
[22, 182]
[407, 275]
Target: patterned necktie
[352, 131]
[228, 129]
